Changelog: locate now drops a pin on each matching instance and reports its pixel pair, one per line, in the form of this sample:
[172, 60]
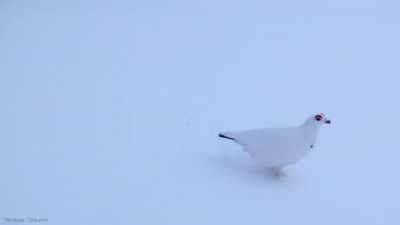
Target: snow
[111, 111]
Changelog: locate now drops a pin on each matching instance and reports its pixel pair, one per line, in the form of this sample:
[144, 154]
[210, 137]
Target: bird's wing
[266, 137]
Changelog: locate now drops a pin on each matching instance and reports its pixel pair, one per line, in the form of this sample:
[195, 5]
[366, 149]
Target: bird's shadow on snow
[241, 166]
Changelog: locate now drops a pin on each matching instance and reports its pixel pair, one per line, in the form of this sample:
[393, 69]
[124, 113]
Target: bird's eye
[318, 117]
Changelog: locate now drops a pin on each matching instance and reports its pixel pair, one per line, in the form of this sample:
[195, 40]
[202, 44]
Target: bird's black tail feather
[224, 136]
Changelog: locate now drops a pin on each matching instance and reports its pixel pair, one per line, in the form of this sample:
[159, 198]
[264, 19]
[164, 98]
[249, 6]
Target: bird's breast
[277, 152]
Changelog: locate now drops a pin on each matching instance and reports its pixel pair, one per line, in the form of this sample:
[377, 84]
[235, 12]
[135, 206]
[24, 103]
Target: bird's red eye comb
[318, 117]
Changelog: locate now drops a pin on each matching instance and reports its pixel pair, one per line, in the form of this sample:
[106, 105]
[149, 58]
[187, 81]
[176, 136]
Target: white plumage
[278, 147]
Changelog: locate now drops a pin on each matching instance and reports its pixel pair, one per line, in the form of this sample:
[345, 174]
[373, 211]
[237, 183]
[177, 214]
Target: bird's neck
[310, 130]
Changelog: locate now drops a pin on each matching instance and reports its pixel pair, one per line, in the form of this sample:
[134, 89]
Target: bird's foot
[277, 172]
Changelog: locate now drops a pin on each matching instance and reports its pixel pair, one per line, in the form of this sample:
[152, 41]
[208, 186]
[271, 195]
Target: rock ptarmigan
[275, 148]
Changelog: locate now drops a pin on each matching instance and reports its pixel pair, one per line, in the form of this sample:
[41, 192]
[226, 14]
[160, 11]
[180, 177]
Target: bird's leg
[277, 172]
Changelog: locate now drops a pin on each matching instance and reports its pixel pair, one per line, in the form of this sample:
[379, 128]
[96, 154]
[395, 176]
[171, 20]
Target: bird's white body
[277, 147]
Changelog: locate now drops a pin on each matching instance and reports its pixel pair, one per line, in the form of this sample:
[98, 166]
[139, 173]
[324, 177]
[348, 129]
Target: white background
[110, 110]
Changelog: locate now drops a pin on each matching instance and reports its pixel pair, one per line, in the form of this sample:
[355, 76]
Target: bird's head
[315, 121]
[320, 118]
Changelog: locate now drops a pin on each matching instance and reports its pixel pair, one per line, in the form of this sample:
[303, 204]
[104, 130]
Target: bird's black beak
[328, 122]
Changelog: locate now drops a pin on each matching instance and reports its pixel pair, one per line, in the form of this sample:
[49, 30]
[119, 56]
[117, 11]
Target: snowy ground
[110, 110]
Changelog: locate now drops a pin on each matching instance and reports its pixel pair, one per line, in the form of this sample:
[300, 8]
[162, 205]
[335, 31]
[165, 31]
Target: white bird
[277, 147]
